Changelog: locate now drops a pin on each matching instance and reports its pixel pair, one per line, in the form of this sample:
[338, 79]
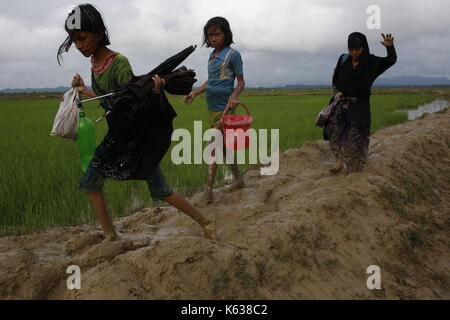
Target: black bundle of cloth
[140, 122]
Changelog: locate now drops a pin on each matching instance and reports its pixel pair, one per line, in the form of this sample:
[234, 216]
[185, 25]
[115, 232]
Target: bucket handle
[226, 109]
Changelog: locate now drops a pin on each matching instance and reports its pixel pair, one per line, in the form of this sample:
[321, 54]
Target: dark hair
[90, 21]
[223, 25]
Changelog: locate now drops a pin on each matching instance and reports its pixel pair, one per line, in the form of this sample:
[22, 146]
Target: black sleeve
[336, 71]
[384, 63]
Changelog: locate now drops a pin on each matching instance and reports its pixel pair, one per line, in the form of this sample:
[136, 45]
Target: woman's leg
[99, 204]
[92, 183]
[357, 146]
[214, 121]
[238, 178]
[336, 132]
[161, 191]
[210, 180]
[237, 175]
[182, 204]
[339, 165]
[365, 134]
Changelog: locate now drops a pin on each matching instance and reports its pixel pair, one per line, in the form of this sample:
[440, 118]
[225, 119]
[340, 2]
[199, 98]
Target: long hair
[90, 21]
[223, 25]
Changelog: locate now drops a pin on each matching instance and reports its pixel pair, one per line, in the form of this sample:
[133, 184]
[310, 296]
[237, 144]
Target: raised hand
[388, 40]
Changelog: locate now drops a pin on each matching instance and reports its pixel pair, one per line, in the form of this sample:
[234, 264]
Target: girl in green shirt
[109, 69]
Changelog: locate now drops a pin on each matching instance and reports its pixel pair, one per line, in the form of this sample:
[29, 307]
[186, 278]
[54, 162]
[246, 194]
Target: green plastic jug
[85, 140]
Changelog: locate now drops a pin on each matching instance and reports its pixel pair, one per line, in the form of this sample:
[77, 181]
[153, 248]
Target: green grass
[39, 175]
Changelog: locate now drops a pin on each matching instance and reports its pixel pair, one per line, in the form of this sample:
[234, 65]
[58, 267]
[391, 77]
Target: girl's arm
[87, 92]
[234, 98]
[238, 69]
[191, 96]
[78, 82]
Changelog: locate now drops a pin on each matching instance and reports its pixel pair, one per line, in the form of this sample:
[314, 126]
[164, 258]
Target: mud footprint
[81, 241]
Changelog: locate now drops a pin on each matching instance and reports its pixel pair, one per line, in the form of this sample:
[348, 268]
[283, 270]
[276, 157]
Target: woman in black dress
[349, 126]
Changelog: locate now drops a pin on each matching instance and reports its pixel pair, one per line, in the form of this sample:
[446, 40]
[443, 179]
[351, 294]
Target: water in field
[432, 107]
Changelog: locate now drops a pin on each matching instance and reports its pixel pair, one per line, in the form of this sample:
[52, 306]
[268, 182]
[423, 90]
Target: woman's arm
[336, 71]
[384, 63]
[194, 93]
[78, 82]
[88, 92]
[234, 98]
[238, 68]
[201, 89]
[335, 79]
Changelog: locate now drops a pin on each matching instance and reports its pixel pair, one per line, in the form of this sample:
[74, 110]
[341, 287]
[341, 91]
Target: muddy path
[301, 234]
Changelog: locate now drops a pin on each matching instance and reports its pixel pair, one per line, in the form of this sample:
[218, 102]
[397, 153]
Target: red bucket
[235, 129]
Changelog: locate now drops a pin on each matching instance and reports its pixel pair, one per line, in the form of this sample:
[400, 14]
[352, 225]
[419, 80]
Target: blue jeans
[93, 181]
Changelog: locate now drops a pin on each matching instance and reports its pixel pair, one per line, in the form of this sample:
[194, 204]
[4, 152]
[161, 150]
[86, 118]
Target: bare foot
[209, 229]
[111, 236]
[336, 169]
[339, 166]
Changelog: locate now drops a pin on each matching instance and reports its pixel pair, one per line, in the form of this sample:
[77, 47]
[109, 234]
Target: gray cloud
[283, 41]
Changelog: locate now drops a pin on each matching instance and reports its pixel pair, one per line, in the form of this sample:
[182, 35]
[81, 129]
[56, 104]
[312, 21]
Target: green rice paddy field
[39, 174]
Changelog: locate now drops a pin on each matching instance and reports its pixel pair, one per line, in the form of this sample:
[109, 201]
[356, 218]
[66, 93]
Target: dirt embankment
[301, 234]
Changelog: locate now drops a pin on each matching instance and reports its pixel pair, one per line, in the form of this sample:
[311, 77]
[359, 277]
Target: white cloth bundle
[67, 118]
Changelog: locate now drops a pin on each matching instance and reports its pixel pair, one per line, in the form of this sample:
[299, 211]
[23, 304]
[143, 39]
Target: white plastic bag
[67, 118]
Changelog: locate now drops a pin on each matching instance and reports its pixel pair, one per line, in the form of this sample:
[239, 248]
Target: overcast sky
[281, 42]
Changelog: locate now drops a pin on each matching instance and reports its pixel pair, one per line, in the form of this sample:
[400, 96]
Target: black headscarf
[358, 40]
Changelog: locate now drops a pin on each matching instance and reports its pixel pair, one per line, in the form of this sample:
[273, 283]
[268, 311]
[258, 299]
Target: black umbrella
[171, 63]
[137, 91]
